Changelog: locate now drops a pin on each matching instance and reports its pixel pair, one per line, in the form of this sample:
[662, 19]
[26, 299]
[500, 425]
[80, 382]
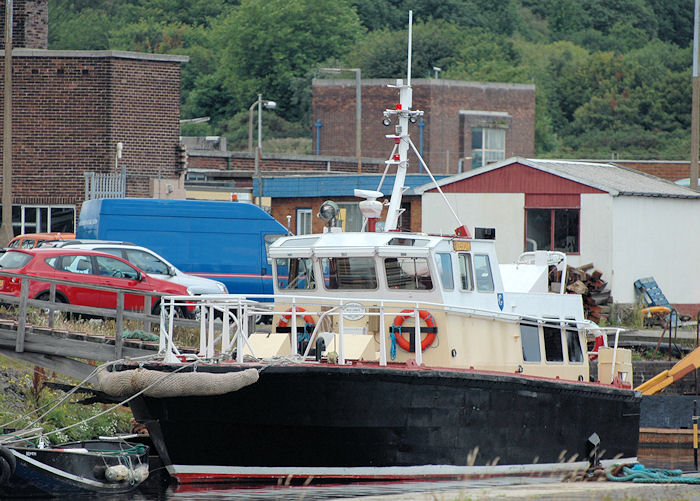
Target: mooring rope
[641, 474]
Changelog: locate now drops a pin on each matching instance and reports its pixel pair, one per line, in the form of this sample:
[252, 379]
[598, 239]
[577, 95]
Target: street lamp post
[258, 148]
[358, 110]
[271, 105]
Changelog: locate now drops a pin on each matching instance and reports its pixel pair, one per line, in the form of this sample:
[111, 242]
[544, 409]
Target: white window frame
[304, 221]
[489, 152]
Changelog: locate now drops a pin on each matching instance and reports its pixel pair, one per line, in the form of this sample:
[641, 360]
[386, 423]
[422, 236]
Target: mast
[401, 137]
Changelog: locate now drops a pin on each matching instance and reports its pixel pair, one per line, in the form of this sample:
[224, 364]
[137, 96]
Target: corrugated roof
[609, 177]
[333, 185]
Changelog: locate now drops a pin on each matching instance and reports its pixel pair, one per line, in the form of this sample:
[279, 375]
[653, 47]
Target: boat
[74, 468]
[391, 356]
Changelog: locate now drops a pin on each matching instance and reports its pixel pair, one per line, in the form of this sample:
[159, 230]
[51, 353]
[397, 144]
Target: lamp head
[328, 211]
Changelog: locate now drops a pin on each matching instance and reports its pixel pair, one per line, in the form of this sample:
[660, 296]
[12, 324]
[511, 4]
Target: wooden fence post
[22, 315]
[52, 299]
[119, 328]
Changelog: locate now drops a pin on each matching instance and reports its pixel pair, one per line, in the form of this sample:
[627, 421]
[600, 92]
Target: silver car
[150, 262]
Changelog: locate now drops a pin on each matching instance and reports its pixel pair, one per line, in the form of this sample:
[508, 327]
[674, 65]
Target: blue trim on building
[332, 185]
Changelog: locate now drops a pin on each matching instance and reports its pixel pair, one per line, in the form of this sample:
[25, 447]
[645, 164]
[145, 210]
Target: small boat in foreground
[89, 466]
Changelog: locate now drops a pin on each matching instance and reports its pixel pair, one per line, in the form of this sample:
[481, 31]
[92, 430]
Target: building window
[488, 146]
[304, 222]
[552, 229]
[42, 218]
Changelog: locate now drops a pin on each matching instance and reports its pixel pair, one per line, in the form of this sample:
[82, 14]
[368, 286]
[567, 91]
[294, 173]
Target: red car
[87, 267]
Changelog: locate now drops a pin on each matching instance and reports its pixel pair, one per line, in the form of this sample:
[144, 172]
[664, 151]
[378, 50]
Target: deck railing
[238, 315]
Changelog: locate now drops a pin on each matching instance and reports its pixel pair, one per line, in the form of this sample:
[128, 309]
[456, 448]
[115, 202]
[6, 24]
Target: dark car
[89, 268]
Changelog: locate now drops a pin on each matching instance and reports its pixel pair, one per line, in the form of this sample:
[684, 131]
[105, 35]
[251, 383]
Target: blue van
[224, 241]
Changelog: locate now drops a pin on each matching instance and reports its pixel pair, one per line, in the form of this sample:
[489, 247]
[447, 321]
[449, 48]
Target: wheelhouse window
[304, 221]
[295, 274]
[444, 266]
[573, 344]
[552, 229]
[349, 273]
[465, 272]
[553, 350]
[408, 273]
[530, 339]
[488, 146]
[482, 270]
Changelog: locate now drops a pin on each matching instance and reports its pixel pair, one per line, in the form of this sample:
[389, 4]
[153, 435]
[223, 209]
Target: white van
[150, 262]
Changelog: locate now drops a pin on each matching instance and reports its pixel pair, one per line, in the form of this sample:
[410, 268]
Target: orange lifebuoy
[426, 317]
[308, 319]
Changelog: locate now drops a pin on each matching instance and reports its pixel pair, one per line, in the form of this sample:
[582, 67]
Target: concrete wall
[503, 211]
[657, 237]
[596, 234]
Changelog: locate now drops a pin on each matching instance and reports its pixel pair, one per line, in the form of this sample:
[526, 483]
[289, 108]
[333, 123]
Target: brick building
[465, 125]
[69, 111]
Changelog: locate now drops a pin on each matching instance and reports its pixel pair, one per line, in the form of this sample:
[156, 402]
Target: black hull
[333, 420]
[58, 472]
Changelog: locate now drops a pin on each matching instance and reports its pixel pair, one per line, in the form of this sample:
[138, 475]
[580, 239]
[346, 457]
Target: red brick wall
[69, 113]
[283, 207]
[234, 160]
[441, 100]
[669, 170]
[30, 24]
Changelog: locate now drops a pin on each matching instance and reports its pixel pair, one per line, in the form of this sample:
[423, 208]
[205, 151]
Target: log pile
[587, 281]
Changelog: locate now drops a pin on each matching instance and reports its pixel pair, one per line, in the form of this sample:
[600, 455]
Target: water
[225, 492]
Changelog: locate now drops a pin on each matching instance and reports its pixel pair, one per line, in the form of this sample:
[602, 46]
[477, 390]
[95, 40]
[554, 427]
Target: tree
[269, 44]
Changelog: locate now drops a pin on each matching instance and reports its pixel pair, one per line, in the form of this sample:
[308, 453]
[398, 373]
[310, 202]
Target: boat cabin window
[573, 344]
[482, 270]
[295, 273]
[530, 338]
[349, 273]
[412, 242]
[553, 350]
[465, 271]
[408, 273]
[444, 266]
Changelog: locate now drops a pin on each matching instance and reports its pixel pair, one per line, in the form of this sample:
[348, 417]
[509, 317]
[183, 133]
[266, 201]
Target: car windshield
[14, 260]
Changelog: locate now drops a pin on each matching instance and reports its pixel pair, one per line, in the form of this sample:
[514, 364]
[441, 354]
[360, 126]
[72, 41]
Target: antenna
[410, 45]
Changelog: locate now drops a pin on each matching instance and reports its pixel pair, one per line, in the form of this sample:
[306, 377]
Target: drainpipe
[318, 126]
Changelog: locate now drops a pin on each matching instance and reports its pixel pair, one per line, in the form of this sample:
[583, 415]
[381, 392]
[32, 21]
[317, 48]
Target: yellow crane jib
[685, 366]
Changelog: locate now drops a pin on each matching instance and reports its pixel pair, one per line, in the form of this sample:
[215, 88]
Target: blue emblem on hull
[500, 300]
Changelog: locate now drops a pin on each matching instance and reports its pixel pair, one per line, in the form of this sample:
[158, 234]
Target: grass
[24, 398]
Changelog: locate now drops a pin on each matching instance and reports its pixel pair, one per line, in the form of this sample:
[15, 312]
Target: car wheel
[179, 312]
[45, 296]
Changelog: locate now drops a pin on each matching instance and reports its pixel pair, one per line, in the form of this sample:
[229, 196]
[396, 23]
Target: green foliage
[611, 75]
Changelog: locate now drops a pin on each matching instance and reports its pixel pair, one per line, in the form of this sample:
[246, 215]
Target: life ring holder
[424, 315]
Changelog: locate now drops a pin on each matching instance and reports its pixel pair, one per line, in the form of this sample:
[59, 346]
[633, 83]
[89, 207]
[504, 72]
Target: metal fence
[105, 184]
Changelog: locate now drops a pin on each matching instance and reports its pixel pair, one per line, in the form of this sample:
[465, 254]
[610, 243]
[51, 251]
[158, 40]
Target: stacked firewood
[587, 281]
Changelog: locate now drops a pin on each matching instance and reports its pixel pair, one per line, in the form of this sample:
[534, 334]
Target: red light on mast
[398, 106]
[397, 157]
